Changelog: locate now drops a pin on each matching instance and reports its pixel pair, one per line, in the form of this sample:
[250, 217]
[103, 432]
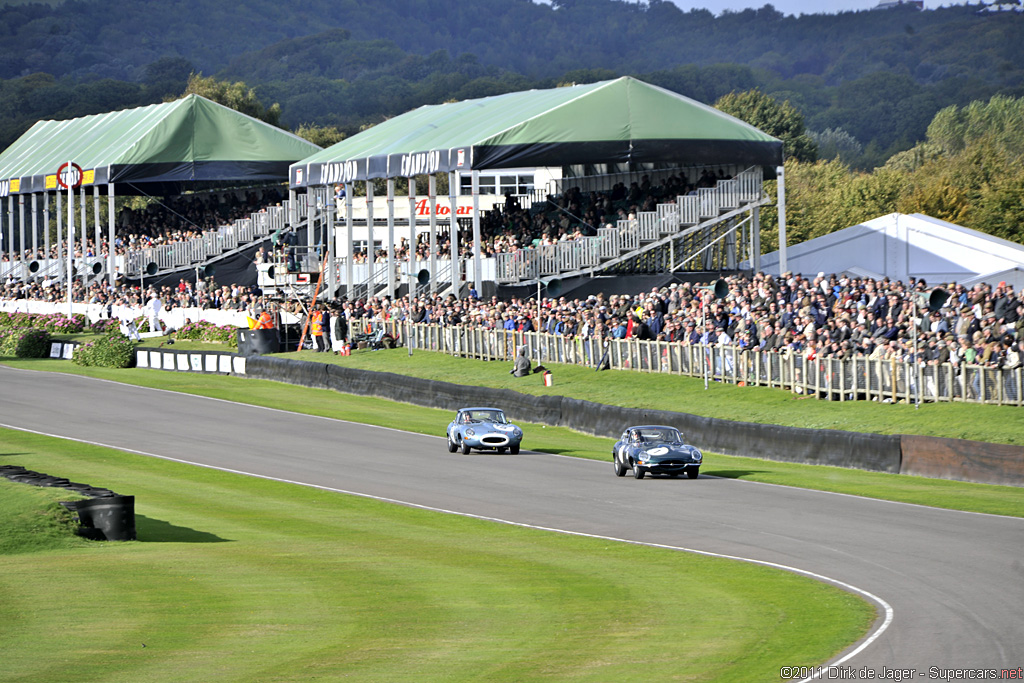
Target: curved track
[955, 580]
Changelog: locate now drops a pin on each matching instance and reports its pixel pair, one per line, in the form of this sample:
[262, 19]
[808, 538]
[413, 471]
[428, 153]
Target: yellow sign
[15, 184]
[51, 182]
[89, 177]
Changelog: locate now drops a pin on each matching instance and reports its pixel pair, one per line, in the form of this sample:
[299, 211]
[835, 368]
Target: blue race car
[483, 429]
[655, 449]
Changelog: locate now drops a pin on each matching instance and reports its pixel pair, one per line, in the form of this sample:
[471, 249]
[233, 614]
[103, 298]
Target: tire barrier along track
[790, 444]
[104, 515]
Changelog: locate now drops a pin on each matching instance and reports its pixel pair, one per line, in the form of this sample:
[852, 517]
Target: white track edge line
[886, 607]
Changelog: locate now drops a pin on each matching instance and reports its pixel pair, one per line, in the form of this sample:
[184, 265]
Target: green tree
[765, 113]
[237, 96]
[323, 136]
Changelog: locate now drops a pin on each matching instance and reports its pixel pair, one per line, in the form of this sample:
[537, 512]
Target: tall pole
[46, 230]
[111, 224]
[349, 267]
[71, 231]
[477, 278]
[412, 237]
[59, 209]
[332, 266]
[391, 238]
[432, 200]
[453, 224]
[783, 261]
[371, 255]
[35, 228]
[21, 238]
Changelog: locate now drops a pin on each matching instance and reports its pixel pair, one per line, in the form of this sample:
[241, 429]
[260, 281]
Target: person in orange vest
[316, 320]
[265, 321]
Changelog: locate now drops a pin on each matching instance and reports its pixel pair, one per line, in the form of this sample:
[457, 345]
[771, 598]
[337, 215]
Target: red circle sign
[75, 171]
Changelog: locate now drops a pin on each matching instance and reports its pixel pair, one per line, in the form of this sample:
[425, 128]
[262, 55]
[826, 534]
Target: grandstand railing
[857, 378]
[210, 244]
[702, 206]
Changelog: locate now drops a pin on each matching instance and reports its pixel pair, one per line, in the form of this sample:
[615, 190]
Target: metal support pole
[412, 237]
[96, 249]
[783, 261]
[432, 201]
[21, 238]
[10, 231]
[755, 240]
[349, 190]
[71, 236]
[35, 228]
[331, 238]
[85, 227]
[46, 229]
[111, 225]
[391, 238]
[60, 233]
[477, 281]
[371, 255]
[453, 223]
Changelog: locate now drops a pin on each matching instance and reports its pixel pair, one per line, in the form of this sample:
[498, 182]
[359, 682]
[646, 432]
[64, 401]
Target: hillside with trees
[862, 98]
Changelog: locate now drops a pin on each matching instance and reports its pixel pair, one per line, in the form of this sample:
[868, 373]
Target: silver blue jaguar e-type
[483, 429]
[656, 450]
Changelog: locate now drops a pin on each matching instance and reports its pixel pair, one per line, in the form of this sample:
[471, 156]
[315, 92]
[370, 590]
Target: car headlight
[470, 432]
[517, 432]
[697, 456]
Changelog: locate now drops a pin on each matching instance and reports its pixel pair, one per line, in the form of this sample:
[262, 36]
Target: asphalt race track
[954, 580]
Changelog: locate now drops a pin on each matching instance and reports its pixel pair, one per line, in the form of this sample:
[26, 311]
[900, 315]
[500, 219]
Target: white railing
[853, 379]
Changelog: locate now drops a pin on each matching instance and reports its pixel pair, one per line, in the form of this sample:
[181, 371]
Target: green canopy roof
[624, 120]
[158, 149]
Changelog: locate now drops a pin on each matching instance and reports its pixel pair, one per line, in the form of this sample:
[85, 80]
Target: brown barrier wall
[962, 460]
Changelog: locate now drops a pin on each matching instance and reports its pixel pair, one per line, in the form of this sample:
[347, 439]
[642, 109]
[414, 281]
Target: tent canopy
[159, 149]
[899, 246]
[618, 121]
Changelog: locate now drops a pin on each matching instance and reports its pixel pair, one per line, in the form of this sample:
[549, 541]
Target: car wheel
[638, 472]
[514, 450]
[692, 474]
[465, 448]
[620, 469]
[452, 446]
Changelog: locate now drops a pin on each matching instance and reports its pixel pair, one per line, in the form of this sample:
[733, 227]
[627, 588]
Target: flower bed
[112, 351]
[208, 332]
[55, 323]
[25, 343]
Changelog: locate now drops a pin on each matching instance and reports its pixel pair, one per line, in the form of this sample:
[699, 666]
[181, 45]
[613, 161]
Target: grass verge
[238, 578]
[1002, 500]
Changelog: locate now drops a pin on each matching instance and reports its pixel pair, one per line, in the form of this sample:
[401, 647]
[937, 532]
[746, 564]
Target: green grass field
[236, 578]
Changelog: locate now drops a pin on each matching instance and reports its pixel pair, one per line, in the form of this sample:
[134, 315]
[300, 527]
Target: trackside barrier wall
[190, 361]
[956, 459]
[823, 447]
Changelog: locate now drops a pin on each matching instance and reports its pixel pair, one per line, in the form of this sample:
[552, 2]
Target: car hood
[503, 427]
[669, 451]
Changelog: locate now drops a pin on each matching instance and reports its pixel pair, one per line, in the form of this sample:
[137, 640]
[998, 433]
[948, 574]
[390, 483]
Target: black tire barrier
[104, 516]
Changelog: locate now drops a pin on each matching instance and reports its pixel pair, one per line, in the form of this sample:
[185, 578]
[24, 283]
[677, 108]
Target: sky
[800, 6]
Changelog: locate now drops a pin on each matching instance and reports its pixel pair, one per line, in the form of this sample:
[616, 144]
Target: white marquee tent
[900, 246]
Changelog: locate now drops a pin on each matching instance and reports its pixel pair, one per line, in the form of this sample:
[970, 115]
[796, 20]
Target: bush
[57, 323]
[105, 326]
[25, 343]
[112, 351]
[208, 332]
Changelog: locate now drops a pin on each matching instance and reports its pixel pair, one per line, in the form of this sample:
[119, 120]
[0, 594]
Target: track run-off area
[948, 585]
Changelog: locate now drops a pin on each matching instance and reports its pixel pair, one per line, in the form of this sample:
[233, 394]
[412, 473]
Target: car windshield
[660, 435]
[485, 415]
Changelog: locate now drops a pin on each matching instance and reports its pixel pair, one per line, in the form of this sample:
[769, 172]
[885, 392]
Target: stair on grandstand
[645, 243]
[211, 244]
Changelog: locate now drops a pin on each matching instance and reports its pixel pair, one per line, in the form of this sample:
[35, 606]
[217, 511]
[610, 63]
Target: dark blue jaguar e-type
[483, 429]
[656, 450]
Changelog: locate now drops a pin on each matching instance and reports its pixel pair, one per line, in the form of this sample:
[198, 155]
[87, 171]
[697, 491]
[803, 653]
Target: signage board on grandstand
[404, 165]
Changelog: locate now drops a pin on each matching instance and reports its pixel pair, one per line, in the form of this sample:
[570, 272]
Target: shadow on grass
[731, 474]
[158, 531]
